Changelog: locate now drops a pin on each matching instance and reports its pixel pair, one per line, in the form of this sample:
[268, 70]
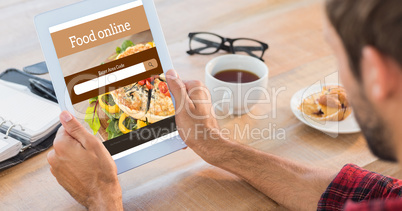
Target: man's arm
[293, 185]
[84, 167]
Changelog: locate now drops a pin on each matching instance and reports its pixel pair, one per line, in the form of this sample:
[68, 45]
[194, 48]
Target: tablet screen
[114, 78]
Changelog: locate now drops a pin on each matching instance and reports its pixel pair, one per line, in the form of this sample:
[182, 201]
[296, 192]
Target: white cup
[236, 98]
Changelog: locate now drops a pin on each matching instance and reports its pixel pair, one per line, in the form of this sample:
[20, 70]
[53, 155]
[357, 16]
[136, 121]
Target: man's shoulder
[360, 188]
[374, 205]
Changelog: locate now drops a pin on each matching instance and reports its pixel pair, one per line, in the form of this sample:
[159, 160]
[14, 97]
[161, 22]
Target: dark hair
[360, 23]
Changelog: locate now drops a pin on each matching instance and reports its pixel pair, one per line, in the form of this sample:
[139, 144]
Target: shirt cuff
[341, 188]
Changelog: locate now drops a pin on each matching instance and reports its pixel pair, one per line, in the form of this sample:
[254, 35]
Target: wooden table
[298, 57]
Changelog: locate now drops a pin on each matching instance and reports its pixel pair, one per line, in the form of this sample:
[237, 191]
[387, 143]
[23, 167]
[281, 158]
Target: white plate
[347, 126]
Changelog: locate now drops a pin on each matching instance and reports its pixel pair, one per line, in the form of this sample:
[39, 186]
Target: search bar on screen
[114, 77]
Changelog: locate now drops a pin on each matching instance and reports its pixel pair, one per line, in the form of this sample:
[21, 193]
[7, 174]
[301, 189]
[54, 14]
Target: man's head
[366, 36]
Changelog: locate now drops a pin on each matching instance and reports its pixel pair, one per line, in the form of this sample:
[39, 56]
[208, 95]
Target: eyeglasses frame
[222, 46]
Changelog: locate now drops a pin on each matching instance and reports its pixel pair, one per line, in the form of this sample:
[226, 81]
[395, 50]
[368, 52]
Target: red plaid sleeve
[375, 205]
[355, 184]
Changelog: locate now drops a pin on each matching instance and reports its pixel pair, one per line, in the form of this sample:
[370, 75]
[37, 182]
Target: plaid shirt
[357, 189]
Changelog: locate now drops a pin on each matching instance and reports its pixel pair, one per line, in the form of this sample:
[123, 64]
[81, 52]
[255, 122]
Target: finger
[178, 89]
[52, 171]
[51, 158]
[196, 89]
[64, 143]
[75, 129]
[60, 131]
[197, 92]
[63, 135]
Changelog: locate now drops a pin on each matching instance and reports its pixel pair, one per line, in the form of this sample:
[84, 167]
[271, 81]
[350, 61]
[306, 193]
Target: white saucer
[347, 126]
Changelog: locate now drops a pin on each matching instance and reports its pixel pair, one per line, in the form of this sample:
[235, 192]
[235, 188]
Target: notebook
[25, 119]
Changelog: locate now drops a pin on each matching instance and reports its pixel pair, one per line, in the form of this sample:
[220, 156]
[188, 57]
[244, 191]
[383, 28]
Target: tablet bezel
[46, 20]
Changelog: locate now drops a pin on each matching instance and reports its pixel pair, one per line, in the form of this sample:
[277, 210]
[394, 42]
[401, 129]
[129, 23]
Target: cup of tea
[236, 83]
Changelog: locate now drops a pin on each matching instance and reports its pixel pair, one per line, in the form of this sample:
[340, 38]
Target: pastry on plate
[330, 104]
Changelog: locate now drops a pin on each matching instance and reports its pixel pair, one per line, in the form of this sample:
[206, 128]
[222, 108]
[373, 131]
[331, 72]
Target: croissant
[330, 104]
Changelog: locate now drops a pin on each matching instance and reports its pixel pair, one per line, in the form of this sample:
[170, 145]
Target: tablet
[107, 61]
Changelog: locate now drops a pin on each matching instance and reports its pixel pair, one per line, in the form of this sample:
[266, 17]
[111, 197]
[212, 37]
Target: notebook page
[9, 148]
[32, 112]
[2, 144]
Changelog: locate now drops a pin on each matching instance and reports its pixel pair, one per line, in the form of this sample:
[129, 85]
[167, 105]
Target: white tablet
[107, 61]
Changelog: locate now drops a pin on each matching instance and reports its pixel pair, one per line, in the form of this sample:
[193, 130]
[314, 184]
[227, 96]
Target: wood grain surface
[298, 57]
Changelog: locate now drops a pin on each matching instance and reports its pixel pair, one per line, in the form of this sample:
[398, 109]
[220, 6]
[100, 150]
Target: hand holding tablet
[82, 165]
[113, 55]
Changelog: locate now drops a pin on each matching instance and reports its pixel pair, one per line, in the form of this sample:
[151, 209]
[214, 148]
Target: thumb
[178, 89]
[74, 128]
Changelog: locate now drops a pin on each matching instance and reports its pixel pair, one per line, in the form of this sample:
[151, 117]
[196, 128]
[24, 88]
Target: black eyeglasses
[206, 43]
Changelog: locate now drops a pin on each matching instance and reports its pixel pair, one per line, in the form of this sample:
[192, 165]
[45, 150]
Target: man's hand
[84, 167]
[195, 117]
